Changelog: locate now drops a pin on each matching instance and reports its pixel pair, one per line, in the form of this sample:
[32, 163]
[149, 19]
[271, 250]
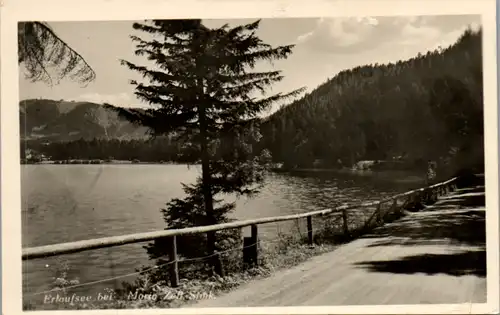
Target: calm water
[64, 203]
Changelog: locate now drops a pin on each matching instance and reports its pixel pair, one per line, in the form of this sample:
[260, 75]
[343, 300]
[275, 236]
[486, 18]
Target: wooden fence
[84, 245]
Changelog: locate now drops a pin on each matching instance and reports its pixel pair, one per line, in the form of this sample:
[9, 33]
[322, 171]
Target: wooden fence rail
[84, 245]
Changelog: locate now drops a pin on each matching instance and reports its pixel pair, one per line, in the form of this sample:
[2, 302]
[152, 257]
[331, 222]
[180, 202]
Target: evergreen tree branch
[40, 48]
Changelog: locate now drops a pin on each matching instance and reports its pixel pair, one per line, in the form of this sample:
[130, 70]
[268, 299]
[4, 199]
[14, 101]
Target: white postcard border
[63, 10]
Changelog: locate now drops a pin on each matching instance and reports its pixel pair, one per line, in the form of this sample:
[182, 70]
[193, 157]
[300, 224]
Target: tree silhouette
[41, 51]
[203, 89]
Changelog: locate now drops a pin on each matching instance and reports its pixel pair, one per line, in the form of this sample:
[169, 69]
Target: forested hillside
[160, 149]
[428, 107]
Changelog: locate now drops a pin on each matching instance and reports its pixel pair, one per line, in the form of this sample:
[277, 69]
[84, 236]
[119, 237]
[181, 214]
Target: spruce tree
[204, 90]
[42, 51]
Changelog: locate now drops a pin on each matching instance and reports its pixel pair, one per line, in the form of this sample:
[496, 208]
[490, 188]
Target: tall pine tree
[204, 90]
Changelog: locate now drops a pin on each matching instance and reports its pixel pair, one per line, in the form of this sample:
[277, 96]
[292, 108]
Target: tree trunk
[207, 191]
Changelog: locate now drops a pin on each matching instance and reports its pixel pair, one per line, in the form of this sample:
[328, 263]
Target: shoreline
[272, 169]
[100, 162]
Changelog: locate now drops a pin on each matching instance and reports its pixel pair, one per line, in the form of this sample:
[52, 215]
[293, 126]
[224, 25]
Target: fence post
[309, 230]
[394, 205]
[254, 231]
[379, 215]
[174, 268]
[410, 201]
[428, 196]
[344, 217]
[250, 248]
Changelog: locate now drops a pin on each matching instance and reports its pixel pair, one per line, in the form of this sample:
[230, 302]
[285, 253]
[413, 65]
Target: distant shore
[96, 162]
[344, 170]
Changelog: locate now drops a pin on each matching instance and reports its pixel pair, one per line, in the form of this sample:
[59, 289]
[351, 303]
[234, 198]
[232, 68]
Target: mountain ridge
[53, 120]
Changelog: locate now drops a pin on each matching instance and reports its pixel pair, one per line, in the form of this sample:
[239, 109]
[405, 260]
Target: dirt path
[432, 256]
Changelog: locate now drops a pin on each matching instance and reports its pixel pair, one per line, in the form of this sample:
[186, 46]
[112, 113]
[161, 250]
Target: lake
[64, 203]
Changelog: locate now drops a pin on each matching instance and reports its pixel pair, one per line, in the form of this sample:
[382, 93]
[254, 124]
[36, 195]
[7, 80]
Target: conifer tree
[42, 51]
[205, 91]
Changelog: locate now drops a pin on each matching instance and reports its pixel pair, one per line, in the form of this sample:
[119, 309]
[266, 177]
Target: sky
[323, 47]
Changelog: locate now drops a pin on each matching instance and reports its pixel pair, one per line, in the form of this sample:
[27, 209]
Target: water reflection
[309, 191]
